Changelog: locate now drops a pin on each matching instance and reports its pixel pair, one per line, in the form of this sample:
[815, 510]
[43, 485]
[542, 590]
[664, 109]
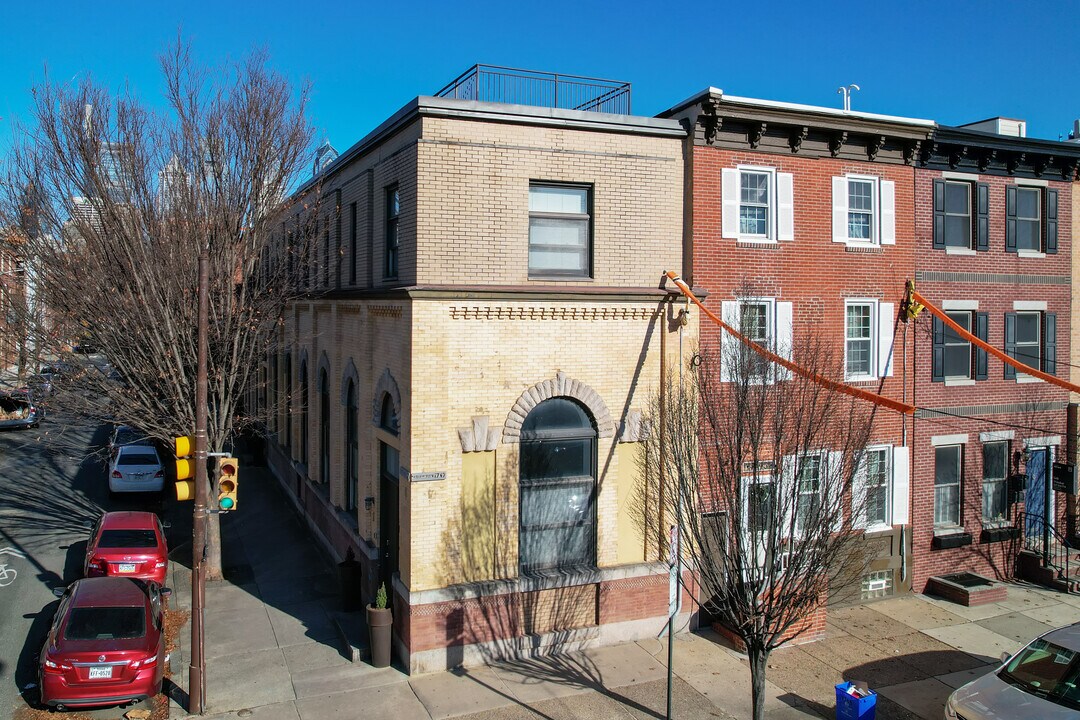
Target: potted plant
[380, 621]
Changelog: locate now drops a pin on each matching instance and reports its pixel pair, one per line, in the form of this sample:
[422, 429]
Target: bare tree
[125, 198]
[761, 468]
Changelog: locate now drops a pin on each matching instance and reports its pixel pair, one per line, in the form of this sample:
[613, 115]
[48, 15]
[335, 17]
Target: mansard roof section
[430, 106]
[966, 150]
[770, 126]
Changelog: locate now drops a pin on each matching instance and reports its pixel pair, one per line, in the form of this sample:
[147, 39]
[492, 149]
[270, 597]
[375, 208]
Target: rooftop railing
[491, 83]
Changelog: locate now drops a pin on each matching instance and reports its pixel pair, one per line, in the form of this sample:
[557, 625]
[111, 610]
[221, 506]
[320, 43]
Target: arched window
[557, 488]
[324, 427]
[388, 417]
[352, 447]
[288, 403]
[305, 418]
[388, 492]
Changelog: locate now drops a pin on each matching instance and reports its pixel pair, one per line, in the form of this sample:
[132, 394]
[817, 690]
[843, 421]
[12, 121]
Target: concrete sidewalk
[274, 650]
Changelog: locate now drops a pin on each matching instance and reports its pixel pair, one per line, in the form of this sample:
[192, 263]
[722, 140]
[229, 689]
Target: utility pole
[196, 689]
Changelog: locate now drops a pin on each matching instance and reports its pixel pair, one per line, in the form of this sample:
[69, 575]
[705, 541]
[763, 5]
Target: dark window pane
[554, 505]
[556, 414]
[995, 459]
[137, 459]
[956, 198]
[556, 459]
[1027, 327]
[106, 623]
[1027, 203]
[128, 539]
[958, 361]
[958, 231]
[947, 465]
[1028, 235]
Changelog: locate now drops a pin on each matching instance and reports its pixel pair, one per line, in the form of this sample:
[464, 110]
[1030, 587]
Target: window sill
[561, 278]
[878, 530]
[946, 530]
[863, 247]
[861, 378]
[1030, 254]
[953, 250]
[959, 382]
[1022, 379]
[566, 577]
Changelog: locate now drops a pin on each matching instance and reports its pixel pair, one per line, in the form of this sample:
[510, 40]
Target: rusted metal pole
[661, 475]
[196, 688]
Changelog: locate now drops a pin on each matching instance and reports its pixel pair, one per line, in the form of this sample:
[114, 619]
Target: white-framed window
[880, 497]
[956, 229]
[877, 503]
[995, 488]
[1029, 339]
[560, 230]
[765, 322]
[757, 204]
[868, 338]
[864, 210]
[1029, 218]
[948, 473]
[957, 351]
[808, 491]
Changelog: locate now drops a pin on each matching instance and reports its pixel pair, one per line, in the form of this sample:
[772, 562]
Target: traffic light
[226, 481]
[185, 468]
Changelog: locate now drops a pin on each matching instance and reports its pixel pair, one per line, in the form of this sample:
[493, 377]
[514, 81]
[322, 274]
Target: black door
[388, 515]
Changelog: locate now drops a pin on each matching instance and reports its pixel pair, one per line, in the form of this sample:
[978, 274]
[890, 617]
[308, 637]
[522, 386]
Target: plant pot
[380, 623]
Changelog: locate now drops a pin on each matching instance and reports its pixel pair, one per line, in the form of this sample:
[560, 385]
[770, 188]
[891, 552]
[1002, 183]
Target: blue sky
[952, 62]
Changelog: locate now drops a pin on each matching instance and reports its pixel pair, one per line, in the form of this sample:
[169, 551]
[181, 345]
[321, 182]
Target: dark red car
[129, 544]
[106, 645]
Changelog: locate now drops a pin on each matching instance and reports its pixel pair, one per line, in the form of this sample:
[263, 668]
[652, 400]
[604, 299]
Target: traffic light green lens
[226, 503]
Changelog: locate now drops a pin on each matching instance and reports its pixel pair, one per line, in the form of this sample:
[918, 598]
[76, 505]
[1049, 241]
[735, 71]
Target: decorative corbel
[1068, 170]
[836, 143]
[985, 158]
[911, 150]
[753, 135]
[709, 121]
[957, 154]
[927, 153]
[1040, 163]
[1013, 161]
[874, 146]
[797, 136]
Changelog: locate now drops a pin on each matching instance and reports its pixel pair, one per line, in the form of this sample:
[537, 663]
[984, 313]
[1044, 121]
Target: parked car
[19, 409]
[135, 468]
[127, 435]
[106, 645]
[1041, 681]
[129, 544]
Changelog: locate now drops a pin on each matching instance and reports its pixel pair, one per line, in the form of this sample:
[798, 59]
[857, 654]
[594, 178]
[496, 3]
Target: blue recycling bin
[849, 707]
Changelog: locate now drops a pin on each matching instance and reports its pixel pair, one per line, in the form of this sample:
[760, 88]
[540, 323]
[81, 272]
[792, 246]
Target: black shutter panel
[982, 216]
[1050, 343]
[938, 371]
[1010, 344]
[1051, 220]
[1010, 218]
[939, 213]
[982, 331]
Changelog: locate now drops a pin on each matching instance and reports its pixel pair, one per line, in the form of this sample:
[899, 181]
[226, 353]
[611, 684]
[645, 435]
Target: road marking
[12, 551]
[7, 575]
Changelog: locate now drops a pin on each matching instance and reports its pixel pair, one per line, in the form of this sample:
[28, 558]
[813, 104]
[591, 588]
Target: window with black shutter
[982, 331]
[1049, 343]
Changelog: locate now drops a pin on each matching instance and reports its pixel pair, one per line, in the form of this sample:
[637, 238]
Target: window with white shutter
[757, 204]
[864, 210]
[763, 321]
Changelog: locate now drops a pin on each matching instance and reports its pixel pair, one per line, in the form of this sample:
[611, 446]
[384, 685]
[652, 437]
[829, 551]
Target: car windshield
[1046, 670]
[106, 623]
[137, 459]
[128, 539]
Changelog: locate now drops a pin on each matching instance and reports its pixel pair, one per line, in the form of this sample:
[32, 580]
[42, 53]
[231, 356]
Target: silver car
[1041, 681]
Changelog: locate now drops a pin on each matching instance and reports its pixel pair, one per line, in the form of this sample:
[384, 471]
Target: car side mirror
[166, 525]
[1005, 657]
[59, 591]
[165, 592]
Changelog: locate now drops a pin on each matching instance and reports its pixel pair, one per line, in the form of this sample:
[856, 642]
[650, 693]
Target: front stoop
[1029, 566]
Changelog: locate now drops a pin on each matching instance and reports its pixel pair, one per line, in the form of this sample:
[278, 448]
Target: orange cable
[798, 369]
[959, 330]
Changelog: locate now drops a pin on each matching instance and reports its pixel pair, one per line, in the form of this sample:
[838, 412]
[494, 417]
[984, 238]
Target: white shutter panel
[839, 209]
[900, 486]
[858, 494]
[729, 191]
[787, 496]
[729, 313]
[785, 206]
[833, 490]
[886, 330]
[784, 333]
[888, 212]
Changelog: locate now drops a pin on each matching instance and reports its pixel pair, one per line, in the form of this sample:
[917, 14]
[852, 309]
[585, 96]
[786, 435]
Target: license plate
[126, 567]
[99, 672]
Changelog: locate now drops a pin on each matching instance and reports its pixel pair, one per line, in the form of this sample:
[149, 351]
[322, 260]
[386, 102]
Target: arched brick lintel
[560, 386]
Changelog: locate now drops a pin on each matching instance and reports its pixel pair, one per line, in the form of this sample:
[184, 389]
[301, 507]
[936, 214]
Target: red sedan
[130, 544]
[106, 645]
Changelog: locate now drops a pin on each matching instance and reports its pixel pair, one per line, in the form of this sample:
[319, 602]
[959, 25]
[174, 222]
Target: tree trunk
[759, 659]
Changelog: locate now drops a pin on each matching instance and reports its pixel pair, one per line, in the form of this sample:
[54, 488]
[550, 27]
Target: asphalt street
[53, 487]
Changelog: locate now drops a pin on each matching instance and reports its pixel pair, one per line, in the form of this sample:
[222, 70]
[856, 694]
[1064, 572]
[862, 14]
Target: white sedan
[136, 468]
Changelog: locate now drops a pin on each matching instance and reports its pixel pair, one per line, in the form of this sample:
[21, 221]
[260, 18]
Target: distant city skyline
[950, 62]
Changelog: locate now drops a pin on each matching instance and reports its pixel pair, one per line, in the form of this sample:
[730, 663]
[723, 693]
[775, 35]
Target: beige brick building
[457, 398]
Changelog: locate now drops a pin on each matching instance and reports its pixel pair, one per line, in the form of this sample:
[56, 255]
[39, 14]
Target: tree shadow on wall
[528, 629]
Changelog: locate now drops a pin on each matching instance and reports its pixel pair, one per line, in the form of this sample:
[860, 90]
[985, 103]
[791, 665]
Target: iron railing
[1042, 537]
[492, 83]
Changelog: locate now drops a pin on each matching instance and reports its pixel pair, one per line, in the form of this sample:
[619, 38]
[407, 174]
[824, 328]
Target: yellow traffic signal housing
[185, 468]
[226, 481]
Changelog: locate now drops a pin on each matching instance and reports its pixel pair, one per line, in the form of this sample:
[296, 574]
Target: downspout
[663, 426]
